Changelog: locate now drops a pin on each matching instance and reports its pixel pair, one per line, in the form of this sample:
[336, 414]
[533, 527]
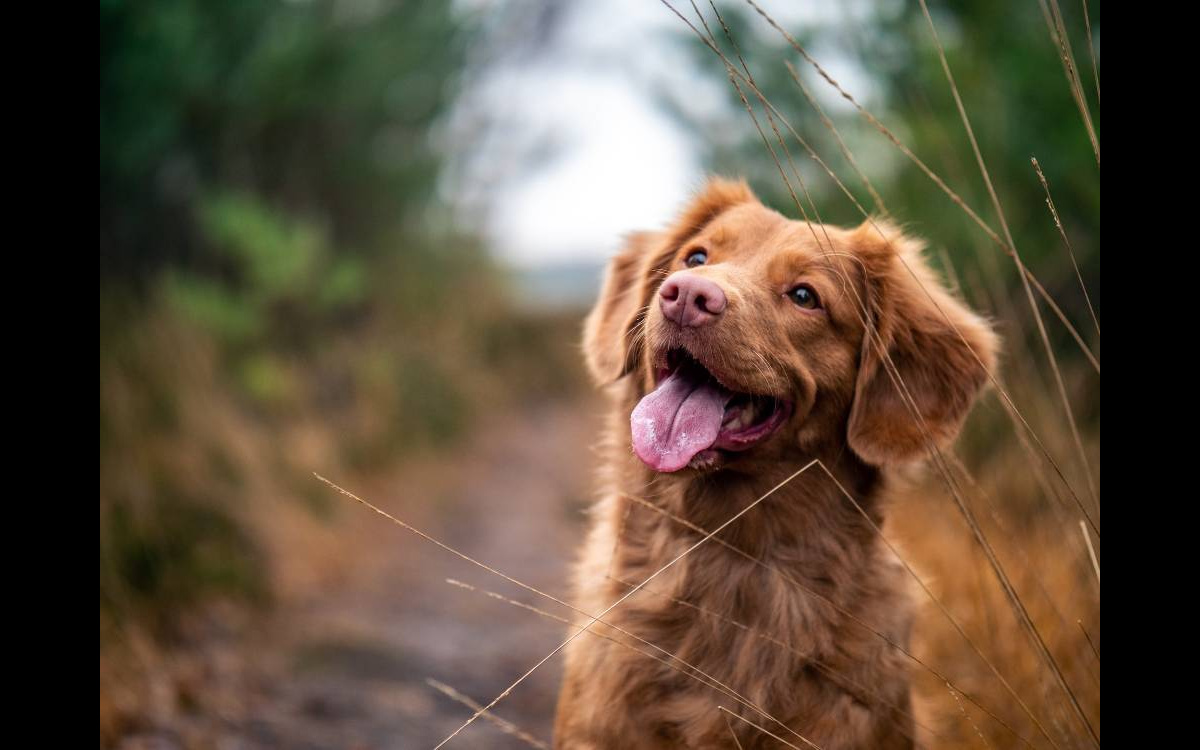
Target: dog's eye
[697, 258]
[805, 297]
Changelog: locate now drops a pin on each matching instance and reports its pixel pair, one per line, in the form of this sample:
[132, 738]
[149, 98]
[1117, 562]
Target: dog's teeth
[740, 418]
[749, 412]
[762, 409]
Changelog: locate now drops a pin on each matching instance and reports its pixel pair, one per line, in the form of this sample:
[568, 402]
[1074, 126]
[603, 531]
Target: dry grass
[1009, 569]
[1045, 557]
[1006, 651]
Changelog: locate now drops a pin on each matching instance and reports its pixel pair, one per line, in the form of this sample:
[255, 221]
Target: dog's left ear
[938, 349]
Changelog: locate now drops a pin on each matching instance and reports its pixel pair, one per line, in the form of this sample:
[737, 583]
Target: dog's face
[751, 337]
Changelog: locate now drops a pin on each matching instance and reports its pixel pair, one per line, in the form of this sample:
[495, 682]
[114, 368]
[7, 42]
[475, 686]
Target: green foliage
[272, 264]
[156, 564]
[433, 406]
[266, 183]
[278, 258]
[530, 350]
[274, 256]
[213, 307]
[266, 380]
[318, 108]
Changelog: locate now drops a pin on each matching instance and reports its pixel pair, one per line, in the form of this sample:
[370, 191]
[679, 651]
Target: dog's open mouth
[690, 417]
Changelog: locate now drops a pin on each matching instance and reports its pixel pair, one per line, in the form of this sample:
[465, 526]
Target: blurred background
[358, 238]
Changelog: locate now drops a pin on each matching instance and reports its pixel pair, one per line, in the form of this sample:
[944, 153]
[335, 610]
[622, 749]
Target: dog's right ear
[609, 327]
[926, 361]
[611, 342]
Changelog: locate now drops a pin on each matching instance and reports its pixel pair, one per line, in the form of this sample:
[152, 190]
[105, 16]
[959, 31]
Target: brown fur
[799, 657]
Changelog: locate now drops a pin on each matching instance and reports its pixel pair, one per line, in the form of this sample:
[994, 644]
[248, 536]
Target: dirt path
[345, 665]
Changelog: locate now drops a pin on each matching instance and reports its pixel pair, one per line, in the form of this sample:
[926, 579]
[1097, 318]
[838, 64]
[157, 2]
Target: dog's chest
[731, 613]
[785, 620]
[722, 625]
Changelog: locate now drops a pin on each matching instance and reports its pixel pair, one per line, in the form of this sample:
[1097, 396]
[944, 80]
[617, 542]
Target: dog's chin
[699, 420]
[709, 459]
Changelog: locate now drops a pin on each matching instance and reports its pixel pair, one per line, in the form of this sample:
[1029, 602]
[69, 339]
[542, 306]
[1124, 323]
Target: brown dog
[741, 346]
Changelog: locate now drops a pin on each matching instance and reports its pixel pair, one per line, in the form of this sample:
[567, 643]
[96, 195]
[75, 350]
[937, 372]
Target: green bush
[156, 564]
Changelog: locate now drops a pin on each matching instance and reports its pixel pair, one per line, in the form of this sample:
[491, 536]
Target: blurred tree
[267, 199]
[319, 109]
[269, 167]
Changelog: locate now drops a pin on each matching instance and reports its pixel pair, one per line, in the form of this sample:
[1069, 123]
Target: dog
[738, 346]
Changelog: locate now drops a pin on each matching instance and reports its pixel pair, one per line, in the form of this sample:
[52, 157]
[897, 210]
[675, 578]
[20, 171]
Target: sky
[577, 151]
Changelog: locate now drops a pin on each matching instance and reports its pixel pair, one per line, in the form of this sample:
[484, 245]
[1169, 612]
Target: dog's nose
[691, 300]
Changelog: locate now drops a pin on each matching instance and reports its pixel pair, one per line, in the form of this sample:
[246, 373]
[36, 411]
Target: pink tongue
[680, 418]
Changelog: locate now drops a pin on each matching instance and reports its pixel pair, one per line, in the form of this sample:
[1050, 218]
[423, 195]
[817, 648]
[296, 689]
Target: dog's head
[749, 336]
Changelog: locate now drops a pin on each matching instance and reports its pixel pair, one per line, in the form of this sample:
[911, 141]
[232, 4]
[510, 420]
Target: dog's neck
[826, 501]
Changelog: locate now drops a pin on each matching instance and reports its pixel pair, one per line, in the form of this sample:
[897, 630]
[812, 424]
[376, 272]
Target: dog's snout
[691, 300]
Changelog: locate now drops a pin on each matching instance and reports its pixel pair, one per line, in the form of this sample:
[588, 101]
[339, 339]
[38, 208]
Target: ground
[343, 662]
[364, 615]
